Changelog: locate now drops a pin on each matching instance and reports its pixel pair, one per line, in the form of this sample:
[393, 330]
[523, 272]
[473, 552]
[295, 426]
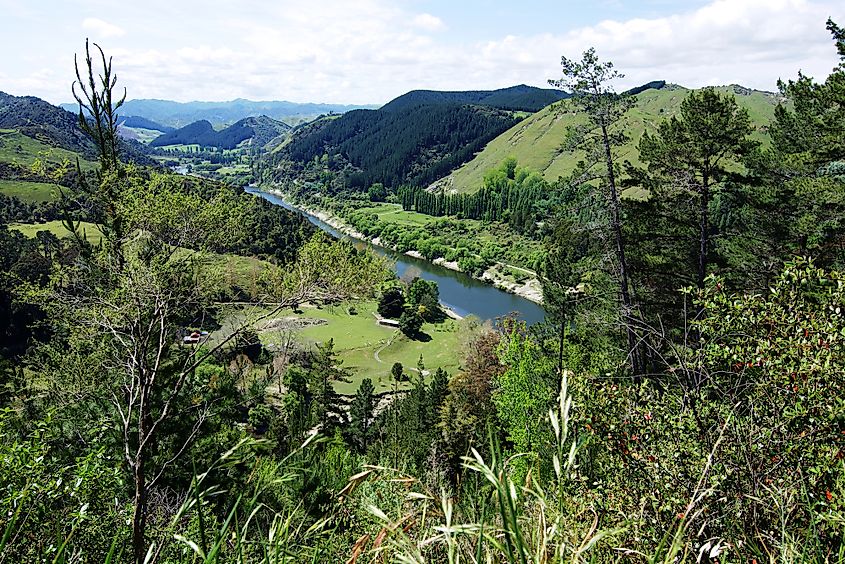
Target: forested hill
[178, 114]
[416, 144]
[260, 130]
[55, 127]
[415, 138]
[518, 98]
[537, 142]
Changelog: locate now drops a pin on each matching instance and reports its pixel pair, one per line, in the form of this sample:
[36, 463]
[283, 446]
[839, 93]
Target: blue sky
[369, 51]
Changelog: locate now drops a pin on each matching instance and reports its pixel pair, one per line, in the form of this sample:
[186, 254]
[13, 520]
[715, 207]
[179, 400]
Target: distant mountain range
[179, 114]
[415, 138]
[261, 130]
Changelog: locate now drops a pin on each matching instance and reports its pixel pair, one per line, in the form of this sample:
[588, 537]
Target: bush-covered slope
[41, 120]
[144, 123]
[538, 142]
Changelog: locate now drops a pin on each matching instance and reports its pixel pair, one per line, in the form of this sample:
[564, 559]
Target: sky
[370, 51]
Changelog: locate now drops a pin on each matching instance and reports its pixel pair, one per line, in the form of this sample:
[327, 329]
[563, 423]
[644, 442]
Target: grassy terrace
[450, 232]
[367, 349]
[393, 213]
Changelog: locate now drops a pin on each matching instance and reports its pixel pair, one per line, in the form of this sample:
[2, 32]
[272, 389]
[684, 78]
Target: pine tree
[325, 370]
[361, 414]
[690, 158]
[588, 80]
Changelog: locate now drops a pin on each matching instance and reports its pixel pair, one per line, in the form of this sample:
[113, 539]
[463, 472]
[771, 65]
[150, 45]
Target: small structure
[388, 322]
[194, 337]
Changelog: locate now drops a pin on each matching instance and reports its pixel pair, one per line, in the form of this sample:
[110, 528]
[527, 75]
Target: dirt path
[377, 351]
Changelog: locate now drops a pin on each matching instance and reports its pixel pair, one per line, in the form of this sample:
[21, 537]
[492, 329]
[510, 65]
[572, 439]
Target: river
[459, 292]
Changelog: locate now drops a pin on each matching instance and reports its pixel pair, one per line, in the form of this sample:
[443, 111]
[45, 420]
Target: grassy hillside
[17, 148]
[536, 142]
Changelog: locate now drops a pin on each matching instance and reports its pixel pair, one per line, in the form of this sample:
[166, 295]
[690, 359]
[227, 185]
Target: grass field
[33, 192]
[536, 142]
[393, 213]
[30, 229]
[367, 349]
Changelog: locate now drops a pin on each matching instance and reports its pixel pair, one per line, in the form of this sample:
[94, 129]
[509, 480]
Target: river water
[459, 292]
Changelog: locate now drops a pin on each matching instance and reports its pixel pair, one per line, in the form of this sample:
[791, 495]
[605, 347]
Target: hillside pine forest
[191, 373]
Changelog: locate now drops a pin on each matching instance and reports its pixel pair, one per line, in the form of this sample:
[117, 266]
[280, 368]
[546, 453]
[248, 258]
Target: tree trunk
[139, 517]
[139, 506]
[616, 226]
[704, 230]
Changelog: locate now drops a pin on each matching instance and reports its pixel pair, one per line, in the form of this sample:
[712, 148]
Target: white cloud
[370, 51]
[428, 22]
[102, 29]
[751, 42]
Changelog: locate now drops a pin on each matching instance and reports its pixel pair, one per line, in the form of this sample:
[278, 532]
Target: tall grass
[523, 523]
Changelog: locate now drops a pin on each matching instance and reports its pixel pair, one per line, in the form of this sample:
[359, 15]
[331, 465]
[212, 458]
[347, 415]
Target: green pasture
[92, 234]
[32, 192]
[367, 349]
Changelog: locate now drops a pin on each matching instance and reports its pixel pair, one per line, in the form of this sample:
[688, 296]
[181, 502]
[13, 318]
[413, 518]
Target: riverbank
[529, 288]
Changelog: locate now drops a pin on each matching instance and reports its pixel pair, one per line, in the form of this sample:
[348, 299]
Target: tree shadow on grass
[421, 337]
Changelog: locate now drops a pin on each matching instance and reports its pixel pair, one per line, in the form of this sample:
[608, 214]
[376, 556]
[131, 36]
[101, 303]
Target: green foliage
[777, 358]
[328, 271]
[683, 231]
[56, 507]
[392, 302]
[260, 417]
[325, 370]
[522, 393]
[377, 192]
[397, 372]
[361, 413]
[425, 295]
[410, 323]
